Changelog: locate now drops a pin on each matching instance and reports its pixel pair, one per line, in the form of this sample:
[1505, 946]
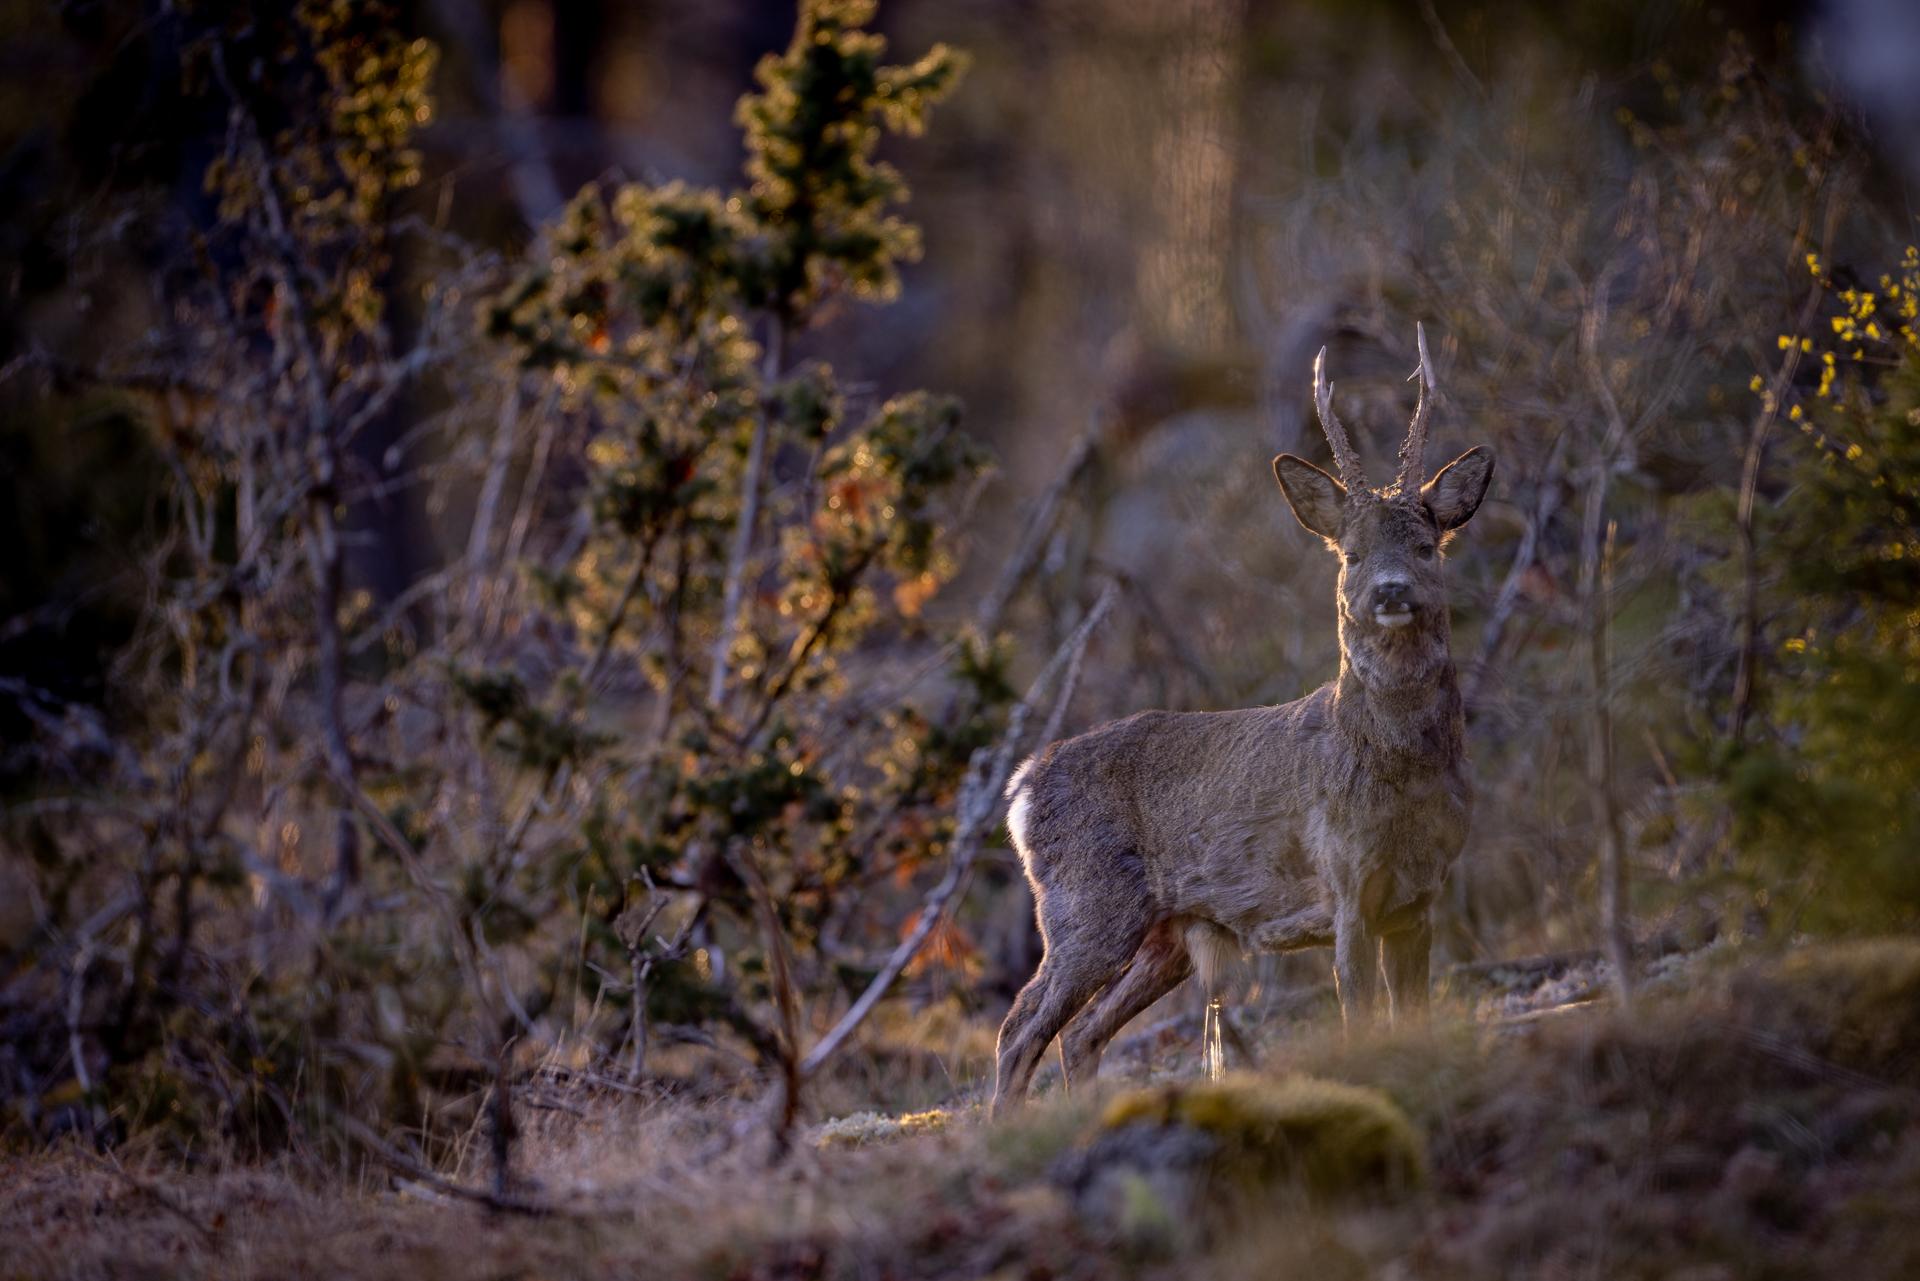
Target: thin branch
[531, 489]
[1438, 30]
[323, 544]
[492, 484]
[1525, 554]
[395, 1159]
[154, 1193]
[750, 485]
[1033, 537]
[786, 1003]
[1596, 581]
[1749, 656]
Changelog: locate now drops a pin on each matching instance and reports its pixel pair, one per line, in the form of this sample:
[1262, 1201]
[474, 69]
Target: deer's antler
[1413, 449]
[1345, 461]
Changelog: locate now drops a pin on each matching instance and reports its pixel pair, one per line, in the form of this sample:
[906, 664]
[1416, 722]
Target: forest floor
[1752, 1116]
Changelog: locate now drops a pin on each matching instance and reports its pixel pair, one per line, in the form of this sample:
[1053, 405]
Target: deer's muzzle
[1393, 604]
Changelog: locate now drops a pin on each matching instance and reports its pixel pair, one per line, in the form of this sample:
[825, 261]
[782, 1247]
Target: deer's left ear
[1455, 491]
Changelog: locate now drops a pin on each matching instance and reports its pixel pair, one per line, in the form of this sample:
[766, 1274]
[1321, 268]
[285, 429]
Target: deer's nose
[1393, 596]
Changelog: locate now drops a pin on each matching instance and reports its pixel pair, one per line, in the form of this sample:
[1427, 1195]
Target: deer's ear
[1455, 491]
[1318, 500]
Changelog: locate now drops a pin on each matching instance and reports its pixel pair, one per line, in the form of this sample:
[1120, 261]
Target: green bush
[1826, 804]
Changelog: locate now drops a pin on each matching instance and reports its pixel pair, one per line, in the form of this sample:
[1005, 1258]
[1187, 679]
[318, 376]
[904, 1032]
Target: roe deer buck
[1167, 840]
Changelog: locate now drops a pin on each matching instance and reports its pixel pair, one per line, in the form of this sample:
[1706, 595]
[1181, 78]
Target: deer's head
[1392, 593]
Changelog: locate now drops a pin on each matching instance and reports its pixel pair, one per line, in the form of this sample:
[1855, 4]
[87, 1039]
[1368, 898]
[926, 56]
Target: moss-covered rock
[1168, 1165]
[1331, 1139]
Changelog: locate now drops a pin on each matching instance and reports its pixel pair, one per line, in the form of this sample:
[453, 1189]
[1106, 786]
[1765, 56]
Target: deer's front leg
[1405, 955]
[1356, 965]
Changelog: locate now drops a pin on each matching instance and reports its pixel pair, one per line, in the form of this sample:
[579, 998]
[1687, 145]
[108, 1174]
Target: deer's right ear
[1318, 500]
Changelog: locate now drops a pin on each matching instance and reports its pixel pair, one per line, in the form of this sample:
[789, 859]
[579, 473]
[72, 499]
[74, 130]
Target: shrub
[342, 858]
[1826, 803]
[1855, 1003]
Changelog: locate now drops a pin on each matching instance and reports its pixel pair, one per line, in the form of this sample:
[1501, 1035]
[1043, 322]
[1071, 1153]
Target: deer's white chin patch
[1392, 618]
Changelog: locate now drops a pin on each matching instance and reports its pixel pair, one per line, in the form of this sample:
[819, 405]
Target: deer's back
[1164, 795]
[1238, 817]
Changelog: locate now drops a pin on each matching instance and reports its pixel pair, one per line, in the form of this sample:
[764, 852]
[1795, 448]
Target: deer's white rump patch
[1017, 811]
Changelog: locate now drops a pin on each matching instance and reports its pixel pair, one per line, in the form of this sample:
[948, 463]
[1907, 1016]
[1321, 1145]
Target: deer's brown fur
[1158, 841]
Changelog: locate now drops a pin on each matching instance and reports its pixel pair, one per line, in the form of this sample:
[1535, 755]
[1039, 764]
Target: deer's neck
[1402, 704]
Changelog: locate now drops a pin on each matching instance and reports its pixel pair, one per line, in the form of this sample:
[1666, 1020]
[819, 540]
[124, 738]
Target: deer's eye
[1352, 558]
[1424, 551]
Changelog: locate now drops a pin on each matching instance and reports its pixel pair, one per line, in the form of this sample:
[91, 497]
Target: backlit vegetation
[504, 700]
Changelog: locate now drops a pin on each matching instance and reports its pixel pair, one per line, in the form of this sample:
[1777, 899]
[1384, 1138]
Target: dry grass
[1750, 1121]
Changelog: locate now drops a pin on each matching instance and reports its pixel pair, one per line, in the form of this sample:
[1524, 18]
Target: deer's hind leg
[1091, 932]
[1160, 965]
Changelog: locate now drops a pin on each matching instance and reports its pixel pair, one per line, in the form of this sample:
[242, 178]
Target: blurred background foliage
[484, 597]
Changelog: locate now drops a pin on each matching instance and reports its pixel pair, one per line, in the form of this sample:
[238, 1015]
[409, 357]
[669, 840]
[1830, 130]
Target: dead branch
[154, 1193]
[1033, 538]
[1596, 581]
[1749, 654]
[1525, 554]
[395, 1159]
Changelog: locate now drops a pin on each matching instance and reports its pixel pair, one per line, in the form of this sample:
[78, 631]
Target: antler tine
[1413, 450]
[1345, 461]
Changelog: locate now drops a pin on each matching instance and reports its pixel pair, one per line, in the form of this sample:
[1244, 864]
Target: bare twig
[323, 543]
[501, 1128]
[1749, 655]
[750, 485]
[1525, 554]
[154, 1193]
[631, 928]
[1596, 580]
[397, 1160]
[1438, 30]
[1039, 526]
[76, 999]
[1614, 929]
[492, 484]
[532, 487]
[786, 1003]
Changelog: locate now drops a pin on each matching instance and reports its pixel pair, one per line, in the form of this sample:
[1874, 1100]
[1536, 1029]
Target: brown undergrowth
[1756, 1117]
